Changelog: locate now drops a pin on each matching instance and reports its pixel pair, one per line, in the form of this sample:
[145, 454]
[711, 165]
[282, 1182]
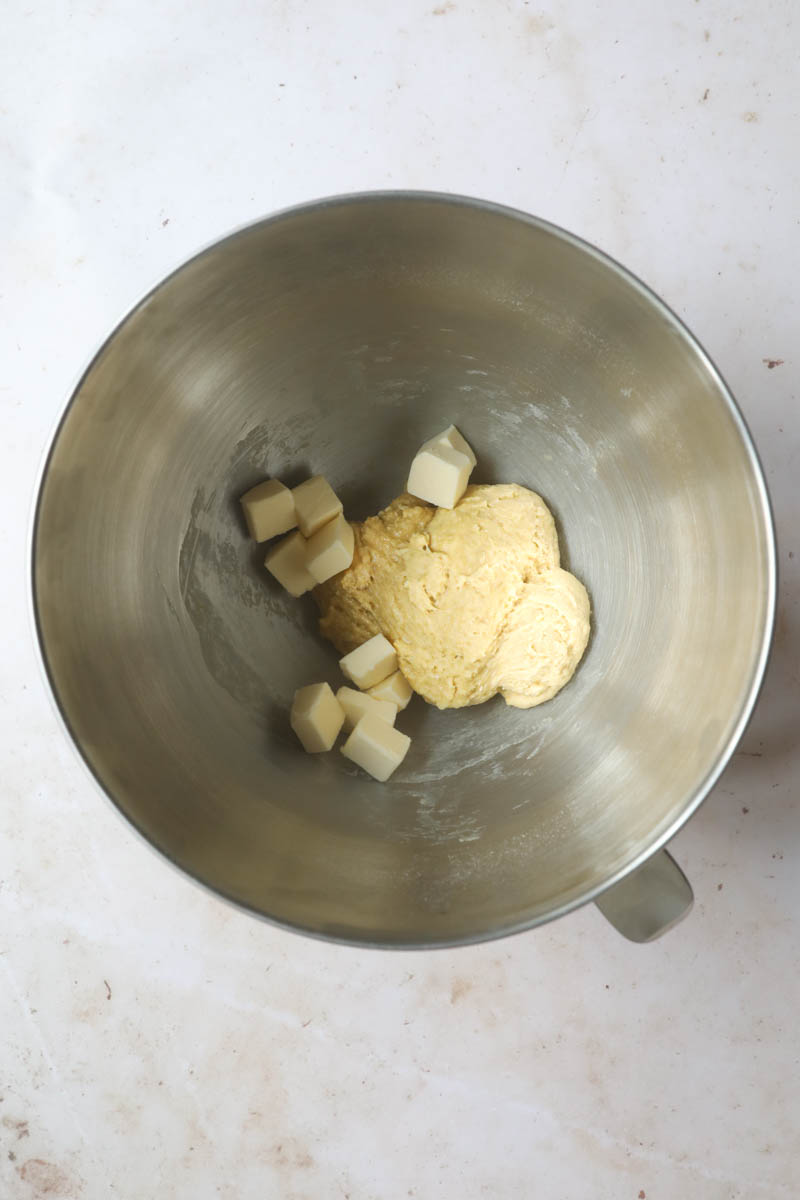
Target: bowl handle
[649, 901]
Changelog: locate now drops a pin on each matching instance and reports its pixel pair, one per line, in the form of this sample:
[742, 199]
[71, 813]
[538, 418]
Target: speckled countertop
[154, 1041]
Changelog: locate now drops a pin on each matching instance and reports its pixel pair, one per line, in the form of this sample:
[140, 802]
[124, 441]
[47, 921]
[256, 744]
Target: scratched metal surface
[334, 340]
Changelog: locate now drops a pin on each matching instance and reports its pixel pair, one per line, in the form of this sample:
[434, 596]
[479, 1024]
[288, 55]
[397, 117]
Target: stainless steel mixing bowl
[334, 338]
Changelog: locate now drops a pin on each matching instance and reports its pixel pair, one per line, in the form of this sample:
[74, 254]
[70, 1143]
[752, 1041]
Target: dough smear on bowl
[472, 598]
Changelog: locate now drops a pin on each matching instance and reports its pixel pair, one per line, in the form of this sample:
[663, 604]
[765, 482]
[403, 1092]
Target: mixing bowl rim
[760, 662]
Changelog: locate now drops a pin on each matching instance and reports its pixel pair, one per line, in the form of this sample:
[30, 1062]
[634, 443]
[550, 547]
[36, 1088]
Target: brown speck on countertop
[459, 989]
[745, 811]
[108, 989]
[46, 1178]
[772, 363]
[12, 1156]
[719, 887]
[706, 35]
[750, 117]
[642, 1195]
[20, 1127]
[706, 93]
[165, 223]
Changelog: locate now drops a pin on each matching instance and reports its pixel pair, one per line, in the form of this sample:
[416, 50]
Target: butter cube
[316, 504]
[268, 510]
[451, 437]
[395, 688]
[357, 704]
[370, 662]
[316, 717]
[376, 747]
[439, 474]
[330, 549]
[287, 562]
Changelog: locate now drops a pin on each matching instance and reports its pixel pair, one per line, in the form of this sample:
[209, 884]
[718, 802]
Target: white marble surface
[154, 1042]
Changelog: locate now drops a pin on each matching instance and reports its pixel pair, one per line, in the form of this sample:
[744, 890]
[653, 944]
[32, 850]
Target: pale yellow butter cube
[395, 688]
[439, 474]
[357, 704]
[371, 662]
[268, 510]
[316, 504]
[316, 717]
[330, 549]
[451, 437]
[376, 747]
[287, 562]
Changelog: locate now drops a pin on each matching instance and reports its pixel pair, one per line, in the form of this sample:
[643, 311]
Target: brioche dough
[472, 598]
